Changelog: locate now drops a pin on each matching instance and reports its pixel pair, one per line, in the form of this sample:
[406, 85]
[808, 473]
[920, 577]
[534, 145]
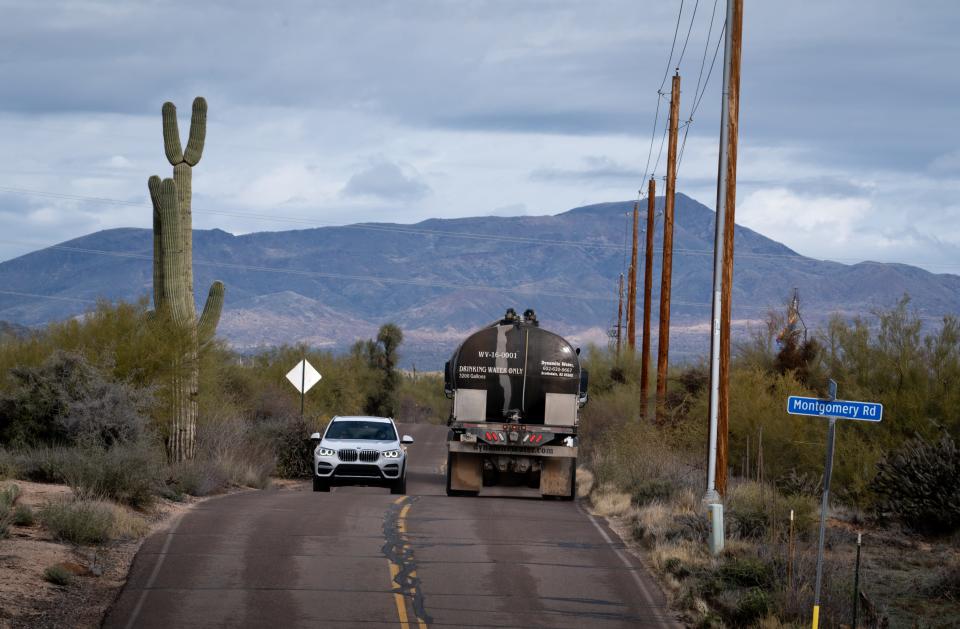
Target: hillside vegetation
[897, 481]
[83, 402]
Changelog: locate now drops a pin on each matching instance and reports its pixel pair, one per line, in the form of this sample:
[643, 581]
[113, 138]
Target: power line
[656, 114]
[689, 28]
[20, 294]
[697, 99]
[673, 45]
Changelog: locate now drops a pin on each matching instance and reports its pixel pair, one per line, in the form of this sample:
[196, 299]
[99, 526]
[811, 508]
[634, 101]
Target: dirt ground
[28, 600]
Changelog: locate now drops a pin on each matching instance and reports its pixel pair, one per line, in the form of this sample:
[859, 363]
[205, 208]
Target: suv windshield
[377, 431]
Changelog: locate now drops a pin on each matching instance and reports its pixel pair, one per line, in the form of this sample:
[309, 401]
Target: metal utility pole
[647, 285]
[632, 289]
[620, 315]
[663, 341]
[824, 506]
[723, 255]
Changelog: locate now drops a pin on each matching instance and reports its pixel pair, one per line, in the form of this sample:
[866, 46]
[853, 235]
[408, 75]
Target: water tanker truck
[517, 390]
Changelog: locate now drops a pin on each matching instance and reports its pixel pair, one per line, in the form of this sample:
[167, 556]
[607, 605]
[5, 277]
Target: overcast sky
[337, 112]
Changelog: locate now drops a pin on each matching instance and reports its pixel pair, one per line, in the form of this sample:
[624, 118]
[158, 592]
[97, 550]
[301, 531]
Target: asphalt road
[360, 557]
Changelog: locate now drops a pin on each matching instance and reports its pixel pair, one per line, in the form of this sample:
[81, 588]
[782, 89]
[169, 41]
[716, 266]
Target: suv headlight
[325, 452]
[391, 454]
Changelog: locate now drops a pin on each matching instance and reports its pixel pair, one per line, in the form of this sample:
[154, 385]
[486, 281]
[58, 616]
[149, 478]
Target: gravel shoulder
[28, 600]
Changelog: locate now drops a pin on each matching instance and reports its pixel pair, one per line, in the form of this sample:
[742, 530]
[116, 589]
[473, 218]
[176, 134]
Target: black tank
[517, 363]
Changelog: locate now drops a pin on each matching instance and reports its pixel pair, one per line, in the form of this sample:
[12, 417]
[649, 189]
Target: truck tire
[320, 484]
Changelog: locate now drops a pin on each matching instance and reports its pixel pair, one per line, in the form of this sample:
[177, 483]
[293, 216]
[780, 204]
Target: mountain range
[441, 278]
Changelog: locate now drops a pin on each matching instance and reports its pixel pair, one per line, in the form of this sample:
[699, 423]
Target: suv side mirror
[406, 439]
[315, 436]
[447, 381]
[584, 382]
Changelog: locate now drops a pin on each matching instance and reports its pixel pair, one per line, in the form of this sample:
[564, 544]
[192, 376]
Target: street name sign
[844, 409]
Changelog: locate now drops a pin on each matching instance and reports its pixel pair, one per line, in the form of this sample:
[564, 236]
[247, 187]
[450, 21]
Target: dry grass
[607, 502]
[89, 522]
[585, 482]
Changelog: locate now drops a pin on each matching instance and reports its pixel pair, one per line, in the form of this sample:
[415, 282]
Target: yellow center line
[397, 597]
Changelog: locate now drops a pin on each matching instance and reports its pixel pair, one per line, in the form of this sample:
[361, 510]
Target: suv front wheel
[321, 484]
[399, 486]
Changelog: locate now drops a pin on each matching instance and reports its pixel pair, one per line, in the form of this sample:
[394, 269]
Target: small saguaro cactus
[173, 272]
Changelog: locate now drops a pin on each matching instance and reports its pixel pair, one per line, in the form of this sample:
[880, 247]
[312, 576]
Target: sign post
[303, 376]
[832, 409]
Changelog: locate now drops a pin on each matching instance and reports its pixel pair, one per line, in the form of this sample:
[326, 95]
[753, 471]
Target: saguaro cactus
[173, 272]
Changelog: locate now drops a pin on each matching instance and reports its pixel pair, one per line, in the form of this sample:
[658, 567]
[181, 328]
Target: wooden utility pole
[620, 315]
[663, 341]
[647, 286]
[733, 115]
[632, 289]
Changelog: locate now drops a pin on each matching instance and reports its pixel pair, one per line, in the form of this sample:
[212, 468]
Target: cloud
[387, 181]
[514, 209]
[595, 168]
[480, 107]
[783, 214]
[948, 163]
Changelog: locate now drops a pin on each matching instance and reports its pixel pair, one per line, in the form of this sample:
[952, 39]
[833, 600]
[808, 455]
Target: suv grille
[357, 470]
[367, 456]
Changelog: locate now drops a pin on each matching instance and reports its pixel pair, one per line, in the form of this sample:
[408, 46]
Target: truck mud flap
[466, 472]
[556, 477]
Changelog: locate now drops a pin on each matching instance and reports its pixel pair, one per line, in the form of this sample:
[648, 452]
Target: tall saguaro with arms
[173, 273]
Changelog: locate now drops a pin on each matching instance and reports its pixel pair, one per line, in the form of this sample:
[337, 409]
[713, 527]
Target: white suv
[360, 451]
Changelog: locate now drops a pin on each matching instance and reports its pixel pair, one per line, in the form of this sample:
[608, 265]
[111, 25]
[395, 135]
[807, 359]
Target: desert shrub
[291, 439]
[88, 522]
[947, 583]
[753, 605]
[644, 491]
[43, 464]
[754, 509]
[23, 515]
[746, 572]
[241, 451]
[198, 477]
[130, 474]
[421, 400]
[798, 483]
[8, 496]
[66, 400]
[919, 484]
[57, 574]
[636, 456]
[8, 464]
[79, 521]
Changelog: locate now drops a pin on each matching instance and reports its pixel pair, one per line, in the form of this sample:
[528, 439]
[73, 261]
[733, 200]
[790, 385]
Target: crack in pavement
[399, 553]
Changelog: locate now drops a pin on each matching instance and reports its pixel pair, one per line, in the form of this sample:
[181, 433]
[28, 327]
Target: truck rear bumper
[489, 449]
